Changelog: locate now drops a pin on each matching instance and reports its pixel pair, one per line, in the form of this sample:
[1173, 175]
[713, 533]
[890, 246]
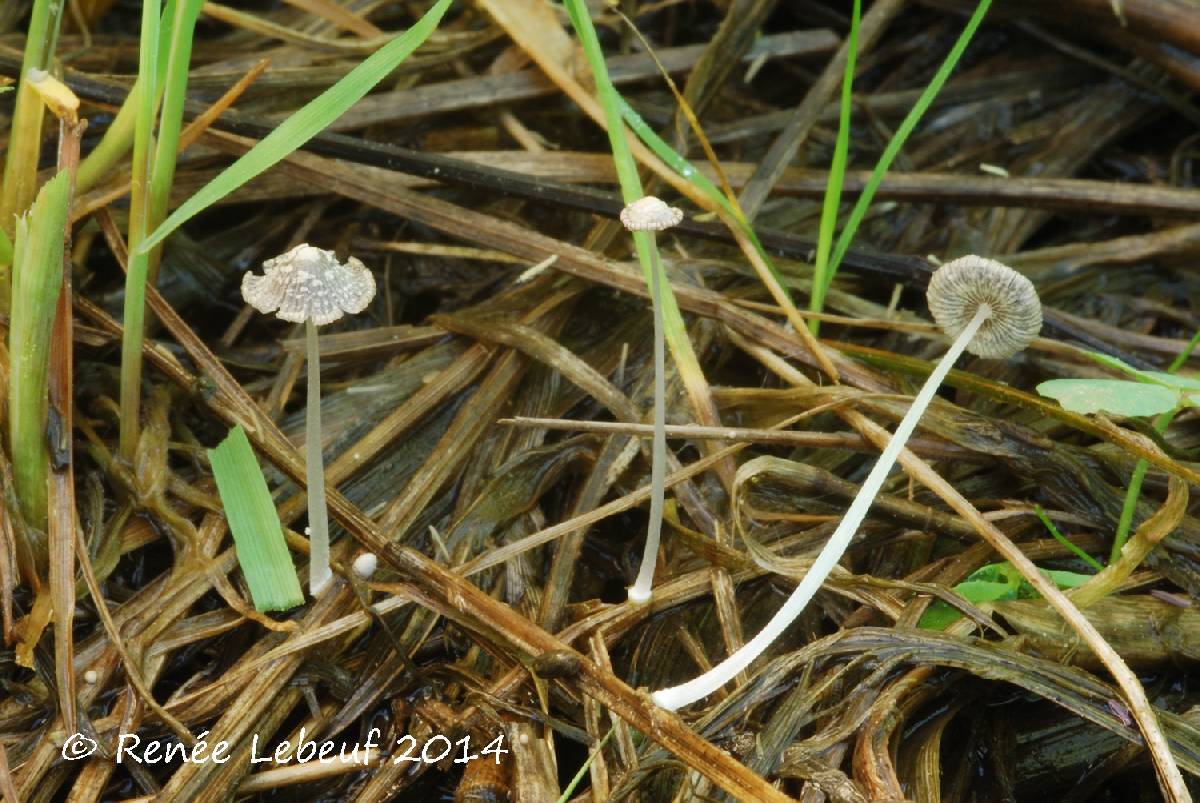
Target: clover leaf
[1148, 393]
[1115, 396]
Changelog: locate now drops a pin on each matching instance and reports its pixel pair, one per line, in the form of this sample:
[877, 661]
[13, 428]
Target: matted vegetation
[492, 453]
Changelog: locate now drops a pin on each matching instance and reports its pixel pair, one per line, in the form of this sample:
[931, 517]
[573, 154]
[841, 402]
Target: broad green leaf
[306, 123]
[257, 533]
[995, 573]
[1115, 396]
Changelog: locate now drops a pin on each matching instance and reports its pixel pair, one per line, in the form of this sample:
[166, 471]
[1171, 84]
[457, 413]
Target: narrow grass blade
[1062, 539]
[306, 123]
[174, 92]
[823, 271]
[261, 550]
[671, 157]
[735, 217]
[118, 136]
[578, 778]
[134, 315]
[37, 276]
[897, 142]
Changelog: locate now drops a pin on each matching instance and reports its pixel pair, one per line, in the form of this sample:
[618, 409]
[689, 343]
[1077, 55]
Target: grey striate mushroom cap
[650, 214]
[309, 283]
[958, 288]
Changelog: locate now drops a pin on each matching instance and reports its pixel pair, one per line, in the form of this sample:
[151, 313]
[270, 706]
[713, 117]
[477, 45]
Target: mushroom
[308, 285]
[991, 311]
[650, 215]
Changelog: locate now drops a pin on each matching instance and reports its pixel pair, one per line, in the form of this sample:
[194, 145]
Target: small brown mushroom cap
[650, 214]
[309, 283]
[958, 288]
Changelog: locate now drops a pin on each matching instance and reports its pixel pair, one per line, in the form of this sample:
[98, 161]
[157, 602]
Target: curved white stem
[319, 573]
[684, 694]
[640, 590]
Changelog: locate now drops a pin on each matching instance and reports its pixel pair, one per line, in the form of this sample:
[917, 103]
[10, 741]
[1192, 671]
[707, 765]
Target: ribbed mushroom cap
[958, 288]
[309, 283]
[650, 214]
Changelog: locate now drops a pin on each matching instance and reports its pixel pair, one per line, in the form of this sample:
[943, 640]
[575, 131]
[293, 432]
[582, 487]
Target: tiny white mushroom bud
[650, 214]
[365, 564]
[90, 677]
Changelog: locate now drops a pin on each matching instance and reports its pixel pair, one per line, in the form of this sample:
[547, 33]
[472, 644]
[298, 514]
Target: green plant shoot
[37, 277]
[261, 549]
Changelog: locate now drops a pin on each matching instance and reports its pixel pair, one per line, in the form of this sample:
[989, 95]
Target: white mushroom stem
[640, 590]
[319, 573]
[678, 696]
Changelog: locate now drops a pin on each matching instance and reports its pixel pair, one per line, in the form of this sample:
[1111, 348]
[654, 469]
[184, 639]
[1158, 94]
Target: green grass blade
[687, 170]
[1183, 356]
[174, 93]
[118, 137]
[1062, 539]
[134, 315]
[627, 175]
[897, 142]
[631, 183]
[578, 778]
[306, 123]
[669, 155]
[822, 275]
[37, 276]
[261, 549]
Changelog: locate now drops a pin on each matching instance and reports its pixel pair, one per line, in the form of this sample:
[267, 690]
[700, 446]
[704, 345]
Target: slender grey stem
[640, 590]
[319, 573]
